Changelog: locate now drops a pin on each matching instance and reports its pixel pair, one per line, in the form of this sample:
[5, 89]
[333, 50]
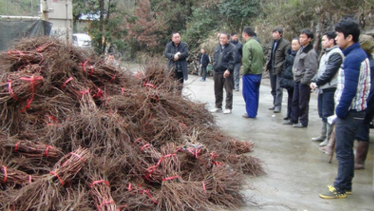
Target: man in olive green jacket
[253, 63]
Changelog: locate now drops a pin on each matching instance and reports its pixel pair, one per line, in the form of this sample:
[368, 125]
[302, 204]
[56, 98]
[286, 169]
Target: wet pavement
[296, 170]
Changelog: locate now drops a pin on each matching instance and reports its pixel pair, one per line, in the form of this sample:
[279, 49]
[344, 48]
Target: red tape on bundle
[5, 174]
[58, 177]
[87, 91]
[149, 85]
[92, 69]
[99, 182]
[105, 203]
[10, 90]
[84, 65]
[145, 146]
[129, 187]
[142, 191]
[16, 146]
[112, 79]
[152, 168]
[78, 156]
[32, 80]
[194, 151]
[99, 93]
[204, 187]
[67, 81]
[170, 178]
[213, 155]
[46, 150]
[30, 179]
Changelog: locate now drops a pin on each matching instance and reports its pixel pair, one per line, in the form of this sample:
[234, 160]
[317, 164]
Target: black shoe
[272, 108]
[286, 118]
[288, 122]
[299, 125]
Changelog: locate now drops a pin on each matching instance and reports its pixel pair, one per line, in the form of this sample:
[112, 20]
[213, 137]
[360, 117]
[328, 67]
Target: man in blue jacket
[351, 95]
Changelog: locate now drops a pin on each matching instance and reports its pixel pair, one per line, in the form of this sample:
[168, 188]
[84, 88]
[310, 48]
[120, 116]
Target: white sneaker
[227, 111]
[215, 110]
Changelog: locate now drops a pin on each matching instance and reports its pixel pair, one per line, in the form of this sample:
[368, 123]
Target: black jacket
[224, 59]
[239, 50]
[181, 64]
[204, 59]
[286, 80]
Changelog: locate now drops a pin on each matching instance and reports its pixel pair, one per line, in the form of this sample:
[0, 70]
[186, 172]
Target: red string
[99, 93]
[204, 187]
[98, 182]
[129, 187]
[105, 203]
[114, 77]
[92, 69]
[78, 156]
[64, 84]
[152, 168]
[84, 65]
[122, 90]
[30, 179]
[194, 151]
[58, 177]
[142, 191]
[87, 91]
[145, 146]
[170, 178]
[10, 90]
[46, 150]
[16, 146]
[5, 174]
[32, 80]
[149, 85]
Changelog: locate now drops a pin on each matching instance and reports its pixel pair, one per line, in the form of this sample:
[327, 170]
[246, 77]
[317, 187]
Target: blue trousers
[345, 130]
[326, 105]
[237, 75]
[364, 130]
[251, 93]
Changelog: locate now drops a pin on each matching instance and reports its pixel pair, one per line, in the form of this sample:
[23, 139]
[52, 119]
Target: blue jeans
[251, 93]
[345, 130]
[203, 72]
[326, 105]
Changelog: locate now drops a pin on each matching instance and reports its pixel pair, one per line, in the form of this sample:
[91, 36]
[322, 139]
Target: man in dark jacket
[177, 52]
[304, 68]
[239, 48]
[223, 69]
[204, 61]
[278, 50]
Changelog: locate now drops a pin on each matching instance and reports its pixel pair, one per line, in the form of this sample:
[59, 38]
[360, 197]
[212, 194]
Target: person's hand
[226, 74]
[176, 57]
[313, 86]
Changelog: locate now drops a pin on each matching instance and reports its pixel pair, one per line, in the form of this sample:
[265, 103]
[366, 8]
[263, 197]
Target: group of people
[342, 78]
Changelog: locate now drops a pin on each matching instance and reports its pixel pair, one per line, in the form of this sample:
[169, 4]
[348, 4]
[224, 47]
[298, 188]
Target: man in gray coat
[304, 68]
[278, 51]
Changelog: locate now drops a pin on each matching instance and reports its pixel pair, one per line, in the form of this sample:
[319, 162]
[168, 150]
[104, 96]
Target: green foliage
[19, 7]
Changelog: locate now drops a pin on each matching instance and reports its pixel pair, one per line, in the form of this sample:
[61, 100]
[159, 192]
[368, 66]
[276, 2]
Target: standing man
[326, 81]
[278, 52]
[304, 68]
[223, 69]
[177, 52]
[253, 63]
[351, 95]
[204, 61]
[239, 46]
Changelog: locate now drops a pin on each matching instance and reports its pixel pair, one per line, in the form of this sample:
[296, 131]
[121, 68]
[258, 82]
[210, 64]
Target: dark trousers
[219, 83]
[345, 130]
[300, 104]
[237, 75]
[289, 102]
[251, 93]
[276, 89]
[363, 130]
[203, 72]
[326, 104]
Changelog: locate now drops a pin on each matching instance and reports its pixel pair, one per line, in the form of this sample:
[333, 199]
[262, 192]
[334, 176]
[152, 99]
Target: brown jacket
[275, 60]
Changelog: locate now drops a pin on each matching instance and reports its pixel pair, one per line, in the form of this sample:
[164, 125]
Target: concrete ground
[296, 170]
